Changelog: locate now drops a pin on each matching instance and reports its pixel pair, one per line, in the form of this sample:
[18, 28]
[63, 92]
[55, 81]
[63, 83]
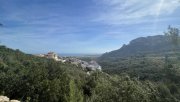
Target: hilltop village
[89, 66]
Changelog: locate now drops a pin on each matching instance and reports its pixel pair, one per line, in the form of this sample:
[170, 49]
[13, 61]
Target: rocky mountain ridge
[142, 46]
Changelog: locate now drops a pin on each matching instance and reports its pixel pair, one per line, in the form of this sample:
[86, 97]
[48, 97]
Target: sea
[78, 55]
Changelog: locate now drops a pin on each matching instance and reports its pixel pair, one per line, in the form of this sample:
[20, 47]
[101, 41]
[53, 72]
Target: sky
[82, 26]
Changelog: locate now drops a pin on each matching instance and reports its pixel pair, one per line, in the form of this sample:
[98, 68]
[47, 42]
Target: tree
[173, 36]
[1, 26]
[75, 95]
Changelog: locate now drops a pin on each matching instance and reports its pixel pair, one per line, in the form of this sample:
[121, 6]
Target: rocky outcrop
[6, 99]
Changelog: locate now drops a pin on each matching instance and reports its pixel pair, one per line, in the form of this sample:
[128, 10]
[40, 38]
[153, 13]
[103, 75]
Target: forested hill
[33, 79]
[140, 46]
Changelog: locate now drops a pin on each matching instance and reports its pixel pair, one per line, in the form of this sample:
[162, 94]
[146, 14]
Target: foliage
[33, 79]
[161, 68]
[173, 35]
[26, 77]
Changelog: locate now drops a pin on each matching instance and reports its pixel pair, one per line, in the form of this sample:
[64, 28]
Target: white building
[52, 55]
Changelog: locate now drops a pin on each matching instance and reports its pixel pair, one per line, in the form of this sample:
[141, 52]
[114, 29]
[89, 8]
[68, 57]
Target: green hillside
[33, 79]
[153, 58]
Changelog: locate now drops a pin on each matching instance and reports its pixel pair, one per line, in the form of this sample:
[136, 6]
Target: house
[93, 65]
[74, 61]
[89, 66]
[40, 55]
[52, 55]
[84, 64]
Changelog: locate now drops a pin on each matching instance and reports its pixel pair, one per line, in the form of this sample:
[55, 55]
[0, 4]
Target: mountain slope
[140, 46]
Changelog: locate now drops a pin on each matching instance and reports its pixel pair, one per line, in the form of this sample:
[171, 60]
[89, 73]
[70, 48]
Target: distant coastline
[78, 55]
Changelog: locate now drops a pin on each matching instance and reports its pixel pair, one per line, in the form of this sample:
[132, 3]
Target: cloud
[1, 24]
[115, 12]
[57, 26]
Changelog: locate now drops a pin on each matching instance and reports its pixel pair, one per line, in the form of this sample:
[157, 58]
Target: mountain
[158, 44]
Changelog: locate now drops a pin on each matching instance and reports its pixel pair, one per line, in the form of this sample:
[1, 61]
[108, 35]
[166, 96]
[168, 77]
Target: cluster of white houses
[52, 55]
[89, 66]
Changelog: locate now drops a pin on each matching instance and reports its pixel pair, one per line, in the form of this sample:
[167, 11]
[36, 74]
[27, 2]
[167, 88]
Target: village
[89, 66]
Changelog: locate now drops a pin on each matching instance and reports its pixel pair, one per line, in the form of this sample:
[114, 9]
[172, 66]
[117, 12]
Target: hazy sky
[82, 26]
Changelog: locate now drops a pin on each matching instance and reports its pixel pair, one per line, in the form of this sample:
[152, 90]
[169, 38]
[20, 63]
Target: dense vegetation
[26, 77]
[165, 72]
[133, 79]
[33, 79]
[160, 67]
